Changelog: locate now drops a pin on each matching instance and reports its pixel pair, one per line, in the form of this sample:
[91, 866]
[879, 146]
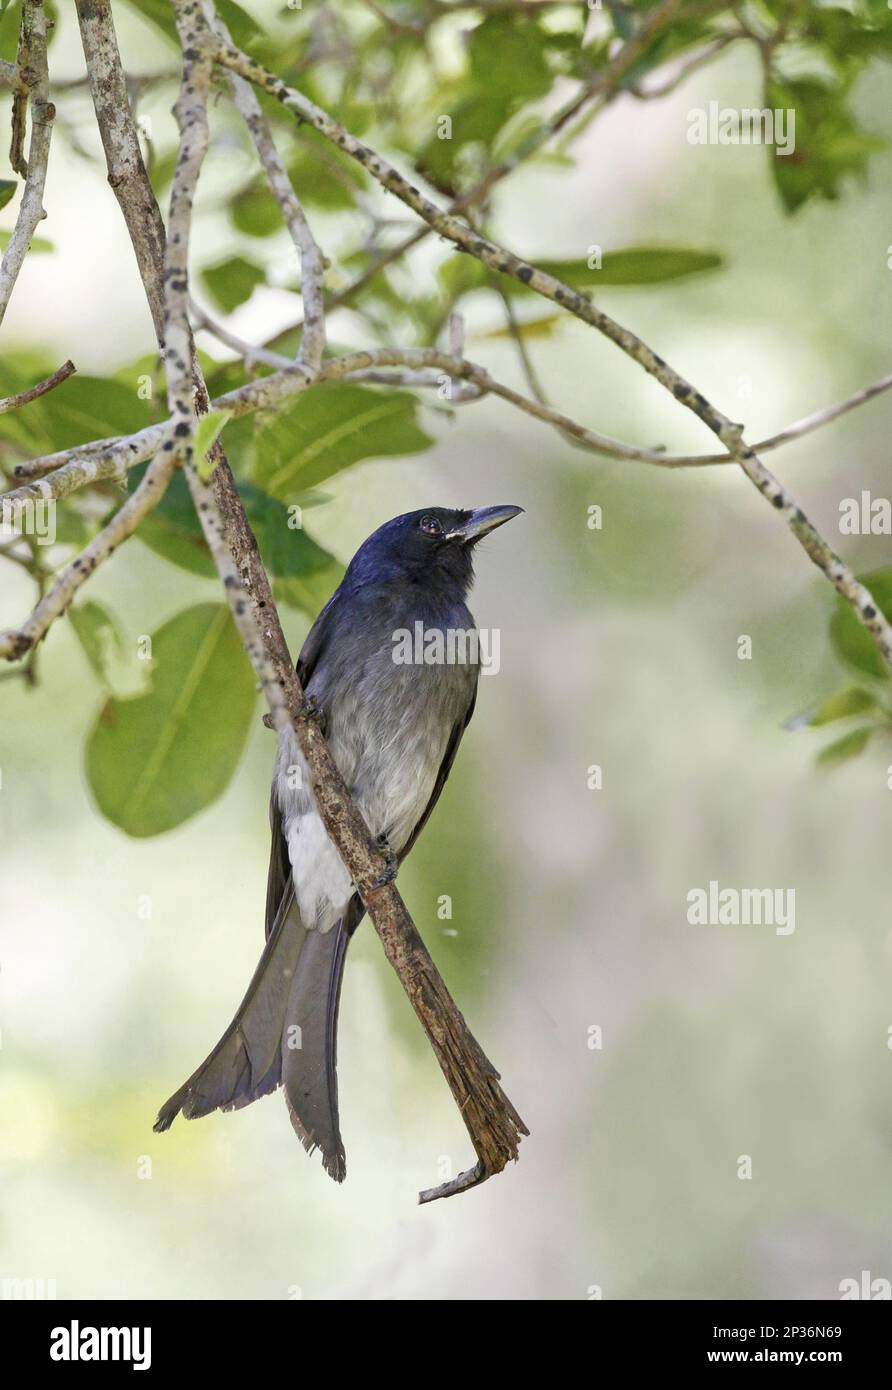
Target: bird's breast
[389, 713]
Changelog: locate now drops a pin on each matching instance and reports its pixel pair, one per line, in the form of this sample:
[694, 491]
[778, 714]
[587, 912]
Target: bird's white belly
[388, 734]
[391, 792]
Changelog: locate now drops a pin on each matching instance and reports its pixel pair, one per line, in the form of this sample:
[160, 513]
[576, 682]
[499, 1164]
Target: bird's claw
[391, 863]
[311, 710]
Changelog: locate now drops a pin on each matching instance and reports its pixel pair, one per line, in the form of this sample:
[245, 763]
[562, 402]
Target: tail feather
[246, 1063]
[284, 1033]
[309, 1047]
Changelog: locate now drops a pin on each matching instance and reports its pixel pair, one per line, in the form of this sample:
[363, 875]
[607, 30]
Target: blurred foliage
[854, 646]
[460, 97]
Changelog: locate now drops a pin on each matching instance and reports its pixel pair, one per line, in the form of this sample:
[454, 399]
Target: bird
[393, 726]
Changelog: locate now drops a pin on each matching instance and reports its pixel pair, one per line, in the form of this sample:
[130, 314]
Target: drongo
[393, 728]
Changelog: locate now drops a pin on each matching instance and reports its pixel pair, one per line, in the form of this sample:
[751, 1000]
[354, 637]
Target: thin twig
[312, 262]
[16, 642]
[31, 209]
[127, 175]
[31, 394]
[684, 70]
[251, 353]
[60, 474]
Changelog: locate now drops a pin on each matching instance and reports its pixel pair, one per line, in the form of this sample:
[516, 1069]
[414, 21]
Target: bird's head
[432, 546]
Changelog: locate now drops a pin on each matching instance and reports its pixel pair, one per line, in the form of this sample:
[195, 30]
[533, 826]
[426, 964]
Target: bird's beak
[481, 522]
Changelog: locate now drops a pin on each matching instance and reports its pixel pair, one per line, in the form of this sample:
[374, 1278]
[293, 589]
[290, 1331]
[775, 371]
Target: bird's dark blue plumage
[393, 729]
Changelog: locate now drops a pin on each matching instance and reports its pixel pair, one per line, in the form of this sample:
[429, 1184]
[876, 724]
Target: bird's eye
[431, 526]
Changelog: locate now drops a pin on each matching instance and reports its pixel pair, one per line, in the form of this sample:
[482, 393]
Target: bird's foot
[391, 862]
[311, 711]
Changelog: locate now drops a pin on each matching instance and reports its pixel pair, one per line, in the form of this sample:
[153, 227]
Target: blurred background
[619, 647]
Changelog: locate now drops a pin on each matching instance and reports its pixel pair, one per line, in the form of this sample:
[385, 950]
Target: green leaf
[232, 281]
[308, 572]
[507, 57]
[98, 634]
[829, 144]
[173, 530]
[330, 428]
[652, 265]
[153, 760]
[285, 548]
[842, 705]
[542, 327]
[7, 190]
[10, 23]
[635, 265]
[86, 408]
[207, 432]
[849, 746]
[850, 638]
[254, 211]
[507, 68]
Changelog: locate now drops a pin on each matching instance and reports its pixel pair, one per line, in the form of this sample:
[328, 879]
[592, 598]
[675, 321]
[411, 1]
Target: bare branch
[127, 175]
[98, 460]
[252, 353]
[16, 642]
[312, 262]
[31, 394]
[31, 209]
[68, 471]
[799, 428]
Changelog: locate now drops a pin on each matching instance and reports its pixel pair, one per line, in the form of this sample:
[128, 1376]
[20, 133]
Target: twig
[799, 428]
[16, 642]
[22, 91]
[684, 70]
[68, 471]
[31, 394]
[31, 209]
[127, 175]
[252, 353]
[312, 264]
[516, 331]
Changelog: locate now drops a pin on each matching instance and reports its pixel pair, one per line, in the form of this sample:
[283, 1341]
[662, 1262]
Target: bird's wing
[445, 768]
[316, 640]
[277, 879]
